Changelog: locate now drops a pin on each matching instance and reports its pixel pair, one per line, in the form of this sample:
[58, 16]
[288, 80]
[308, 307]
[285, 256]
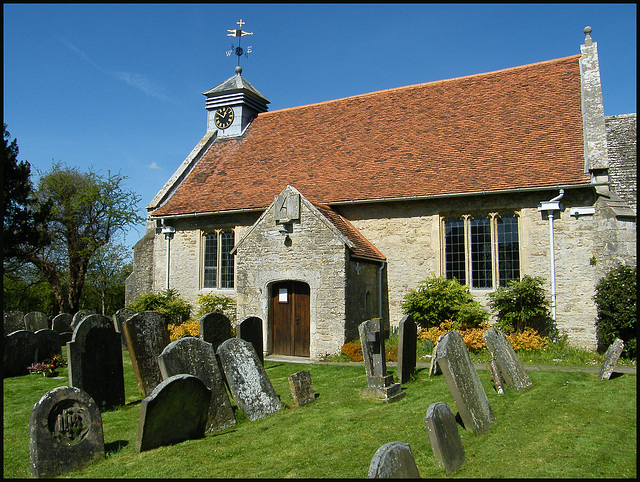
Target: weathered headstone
[610, 359]
[394, 460]
[464, 383]
[495, 375]
[215, 328]
[77, 318]
[380, 383]
[19, 352]
[434, 369]
[147, 335]
[35, 321]
[444, 437]
[407, 341]
[508, 362]
[301, 388]
[250, 329]
[65, 432]
[175, 411]
[194, 356]
[47, 344]
[248, 382]
[13, 321]
[62, 323]
[119, 317]
[94, 357]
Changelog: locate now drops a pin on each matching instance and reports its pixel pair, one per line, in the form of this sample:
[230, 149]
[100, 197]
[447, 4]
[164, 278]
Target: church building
[319, 217]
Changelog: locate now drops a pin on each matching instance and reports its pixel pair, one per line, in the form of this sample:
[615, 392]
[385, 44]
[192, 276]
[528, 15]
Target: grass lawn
[567, 425]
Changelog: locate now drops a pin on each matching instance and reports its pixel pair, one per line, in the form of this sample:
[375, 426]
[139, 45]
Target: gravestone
[508, 362]
[248, 382]
[65, 432]
[301, 388]
[380, 383]
[13, 321]
[495, 375]
[19, 352]
[175, 411]
[215, 328]
[434, 369]
[444, 437]
[35, 321]
[250, 329]
[62, 323]
[407, 341]
[94, 358]
[119, 317]
[193, 356]
[147, 335]
[47, 344]
[464, 383]
[394, 460]
[77, 318]
[610, 359]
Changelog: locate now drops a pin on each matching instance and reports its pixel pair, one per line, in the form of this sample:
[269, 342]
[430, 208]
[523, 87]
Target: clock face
[224, 117]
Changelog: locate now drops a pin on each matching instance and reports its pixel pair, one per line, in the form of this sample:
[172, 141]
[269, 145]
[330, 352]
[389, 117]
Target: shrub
[210, 303]
[188, 328]
[353, 351]
[615, 298]
[521, 305]
[175, 309]
[437, 300]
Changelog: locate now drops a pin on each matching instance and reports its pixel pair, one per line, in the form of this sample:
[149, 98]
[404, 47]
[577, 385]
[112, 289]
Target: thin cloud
[153, 165]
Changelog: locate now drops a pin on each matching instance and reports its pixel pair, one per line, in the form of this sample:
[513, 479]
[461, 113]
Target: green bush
[438, 299]
[175, 309]
[522, 305]
[615, 298]
[211, 303]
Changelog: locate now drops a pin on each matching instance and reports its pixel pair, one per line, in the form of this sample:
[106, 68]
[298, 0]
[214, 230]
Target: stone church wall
[623, 160]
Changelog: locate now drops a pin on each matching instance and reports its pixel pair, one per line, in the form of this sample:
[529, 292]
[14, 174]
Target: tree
[86, 211]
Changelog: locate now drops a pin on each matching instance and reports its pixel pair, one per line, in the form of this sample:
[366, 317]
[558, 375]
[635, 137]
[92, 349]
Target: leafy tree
[210, 303]
[175, 309]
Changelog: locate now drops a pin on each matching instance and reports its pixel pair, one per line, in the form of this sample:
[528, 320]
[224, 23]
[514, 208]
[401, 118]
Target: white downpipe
[168, 259]
[551, 206]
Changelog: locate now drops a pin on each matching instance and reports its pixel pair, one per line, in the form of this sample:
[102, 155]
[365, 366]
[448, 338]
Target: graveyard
[566, 424]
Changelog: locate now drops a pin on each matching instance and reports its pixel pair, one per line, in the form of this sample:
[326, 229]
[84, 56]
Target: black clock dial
[224, 117]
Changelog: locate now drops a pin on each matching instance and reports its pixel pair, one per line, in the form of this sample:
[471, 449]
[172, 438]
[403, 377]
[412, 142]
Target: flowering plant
[40, 368]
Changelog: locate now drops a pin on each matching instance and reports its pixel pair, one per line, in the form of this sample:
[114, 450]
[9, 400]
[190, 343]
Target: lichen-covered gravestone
[77, 318]
[19, 351]
[94, 357]
[444, 437]
[250, 329]
[507, 360]
[393, 460]
[407, 340]
[248, 382]
[464, 383]
[495, 375]
[147, 335]
[194, 356]
[610, 359]
[35, 321]
[301, 388]
[215, 328]
[65, 432]
[434, 369]
[175, 411]
[119, 317]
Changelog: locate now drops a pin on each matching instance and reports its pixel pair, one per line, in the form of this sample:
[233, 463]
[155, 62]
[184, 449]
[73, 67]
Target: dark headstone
[393, 460]
[407, 341]
[193, 356]
[94, 357]
[175, 411]
[610, 359]
[13, 321]
[77, 318]
[444, 437]
[35, 321]
[215, 328]
[301, 388]
[248, 382]
[250, 329]
[65, 432]
[508, 362]
[147, 335]
[62, 323]
[380, 383]
[19, 352]
[495, 375]
[47, 344]
[464, 383]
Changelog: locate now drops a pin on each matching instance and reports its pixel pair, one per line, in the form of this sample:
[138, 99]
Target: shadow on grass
[113, 447]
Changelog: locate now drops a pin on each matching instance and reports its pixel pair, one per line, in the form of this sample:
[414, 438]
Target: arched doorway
[290, 318]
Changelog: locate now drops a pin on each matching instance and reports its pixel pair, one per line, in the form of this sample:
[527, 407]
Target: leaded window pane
[210, 260]
[226, 259]
[480, 244]
[454, 249]
[508, 249]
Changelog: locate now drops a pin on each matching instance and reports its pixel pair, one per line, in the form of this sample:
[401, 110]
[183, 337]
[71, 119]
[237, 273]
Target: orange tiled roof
[514, 128]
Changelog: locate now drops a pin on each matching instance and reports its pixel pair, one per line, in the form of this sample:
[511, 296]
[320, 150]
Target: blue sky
[119, 86]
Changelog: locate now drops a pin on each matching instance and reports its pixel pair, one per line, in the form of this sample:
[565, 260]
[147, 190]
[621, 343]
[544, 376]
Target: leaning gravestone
[77, 318]
[194, 356]
[35, 321]
[19, 352]
[175, 411]
[119, 317]
[508, 362]
[147, 335]
[65, 432]
[393, 460]
[444, 437]
[464, 383]
[610, 359]
[94, 357]
[495, 375]
[407, 341]
[434, 369]
[248, 382]
[380, 383]
[301, 388]
[215, 328]
[250, 329]
[47, 344]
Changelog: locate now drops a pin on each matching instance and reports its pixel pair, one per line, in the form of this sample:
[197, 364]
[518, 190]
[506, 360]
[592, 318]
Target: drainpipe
[551, 206]
[168, 235]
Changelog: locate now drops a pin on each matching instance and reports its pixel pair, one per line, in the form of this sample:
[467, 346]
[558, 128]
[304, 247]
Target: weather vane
[238, 50]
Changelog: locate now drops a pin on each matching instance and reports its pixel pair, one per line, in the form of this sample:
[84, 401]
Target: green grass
[566, 425]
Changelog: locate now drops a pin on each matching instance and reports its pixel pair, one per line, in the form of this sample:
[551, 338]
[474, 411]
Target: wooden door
[290, 318]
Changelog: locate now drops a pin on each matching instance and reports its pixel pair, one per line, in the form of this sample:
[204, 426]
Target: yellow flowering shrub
[191, 328]
[528, 340]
